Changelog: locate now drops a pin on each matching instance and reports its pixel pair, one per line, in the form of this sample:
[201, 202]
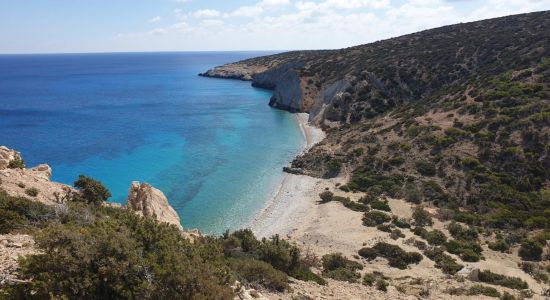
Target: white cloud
[155, 19]
[248, 11]
[206, 13]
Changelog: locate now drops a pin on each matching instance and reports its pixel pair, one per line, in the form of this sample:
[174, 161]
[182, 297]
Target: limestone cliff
[22, 182]
[151, 203]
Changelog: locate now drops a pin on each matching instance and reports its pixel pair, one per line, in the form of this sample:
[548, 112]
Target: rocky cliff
[150, 202]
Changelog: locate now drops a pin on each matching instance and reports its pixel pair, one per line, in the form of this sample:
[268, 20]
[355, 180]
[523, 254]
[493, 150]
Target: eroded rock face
[6, 156]
[234, 71]
[21, 182]
[152, 203]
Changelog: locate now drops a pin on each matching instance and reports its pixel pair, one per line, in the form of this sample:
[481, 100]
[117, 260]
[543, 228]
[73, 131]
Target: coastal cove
[214, 147]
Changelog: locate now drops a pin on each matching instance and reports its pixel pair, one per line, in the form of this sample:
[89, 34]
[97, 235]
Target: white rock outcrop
[151, 202]
[19, 182]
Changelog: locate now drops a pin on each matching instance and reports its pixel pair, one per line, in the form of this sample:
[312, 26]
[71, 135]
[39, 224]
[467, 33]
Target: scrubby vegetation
[90, 251]
[497, 279]
[374, 218]
[17, 163]
[443, 261]
[475, 290]
[456, 116]
[397, 257]
[338, 267]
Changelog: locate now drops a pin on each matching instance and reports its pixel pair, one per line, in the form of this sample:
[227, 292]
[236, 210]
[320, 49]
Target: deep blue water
[214, 147]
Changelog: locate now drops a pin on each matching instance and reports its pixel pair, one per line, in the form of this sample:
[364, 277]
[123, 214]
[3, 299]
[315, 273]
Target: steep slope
[458, 116]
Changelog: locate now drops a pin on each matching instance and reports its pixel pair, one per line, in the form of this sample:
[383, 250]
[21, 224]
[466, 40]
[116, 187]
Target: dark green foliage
[397, 257]
[17, 163]
[530, 251]
[18, 214]
[96, 252]
[401, 223]
[326, 196]
[475, 290]
[460, 233]
[380, 205]
[382, 285]
[499, 245]
[443, 261]
[469, 251]
[422, 217]
[91, 190]
[435, 237]
[259, 273]
[489, 277]
[33, 192]
[374, 218]
[425, 168]
[396, 234]
[338, 267]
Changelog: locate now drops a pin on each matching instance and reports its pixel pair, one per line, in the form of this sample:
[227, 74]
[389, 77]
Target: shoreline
[284, 211]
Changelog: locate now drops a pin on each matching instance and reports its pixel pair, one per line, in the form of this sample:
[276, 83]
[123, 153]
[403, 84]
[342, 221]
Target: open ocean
[214, 147]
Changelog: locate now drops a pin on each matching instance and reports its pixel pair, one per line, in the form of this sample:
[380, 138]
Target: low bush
[530, 251]
[326, 196]
[397, 257]
[489, 277]
[475, 290]
[435, 237]
[401, 223]
[380, 205]
[469, 251]
[33, 192]
[374, 218]
[443, 261]
[396, 234]
[499, 245]
[425, 168]
[338, 267]
[259, 273]
[422, 217]
[17, 163]
[459, 232]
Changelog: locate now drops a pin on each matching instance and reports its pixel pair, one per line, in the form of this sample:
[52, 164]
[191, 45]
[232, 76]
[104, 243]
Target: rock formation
[151, 202]
[20, 182]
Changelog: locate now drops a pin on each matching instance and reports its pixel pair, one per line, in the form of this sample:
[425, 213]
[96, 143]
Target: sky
[66, 26]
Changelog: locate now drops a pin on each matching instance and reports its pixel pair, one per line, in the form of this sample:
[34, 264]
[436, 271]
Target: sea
[213, 146]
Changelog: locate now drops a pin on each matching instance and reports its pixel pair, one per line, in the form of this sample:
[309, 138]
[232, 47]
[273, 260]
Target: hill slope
[458, 116]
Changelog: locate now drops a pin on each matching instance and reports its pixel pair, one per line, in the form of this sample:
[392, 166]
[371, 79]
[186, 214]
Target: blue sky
[59, 26]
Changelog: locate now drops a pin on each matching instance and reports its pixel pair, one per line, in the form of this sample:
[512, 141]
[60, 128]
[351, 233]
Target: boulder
[469, 272]
[43, 170]
[151, 203]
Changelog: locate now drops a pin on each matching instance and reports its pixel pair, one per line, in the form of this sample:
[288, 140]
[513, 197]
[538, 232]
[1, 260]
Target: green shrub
[21, 185]
[396, 234]
[530, 251]
[382, 285]
[380, 205]
[499, 245]
[401, 223]
[369, 279]
[374, 218]
[33, 192]
[436, 237]
[469, 251]
[91, 190]
[422, 217]
[17, 163]
[338, 267]
[443, 261]
[461, 233]
[259, 273]
[425, 168]
[470, 162]
[397, 257]
[368, 253]
[489, 277]
[326, 196]
[479, 289]
[19, 214]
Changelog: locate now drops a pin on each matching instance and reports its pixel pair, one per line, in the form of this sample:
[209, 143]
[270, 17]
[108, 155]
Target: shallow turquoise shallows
[214, 147]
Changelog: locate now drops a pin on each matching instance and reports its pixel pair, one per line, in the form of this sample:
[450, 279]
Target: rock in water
[151, 202]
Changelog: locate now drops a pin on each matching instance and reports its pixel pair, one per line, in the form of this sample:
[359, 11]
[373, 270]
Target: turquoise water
[213, 146]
